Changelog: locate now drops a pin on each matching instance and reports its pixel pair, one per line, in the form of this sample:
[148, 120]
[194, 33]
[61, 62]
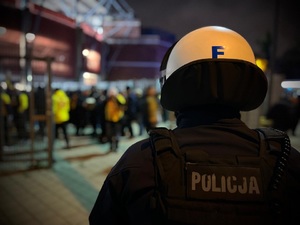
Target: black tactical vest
[193, 187]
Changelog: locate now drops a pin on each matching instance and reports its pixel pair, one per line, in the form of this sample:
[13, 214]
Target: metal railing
[33, 149]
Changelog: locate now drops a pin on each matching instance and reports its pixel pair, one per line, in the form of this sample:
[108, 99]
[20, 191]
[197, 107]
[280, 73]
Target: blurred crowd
[110, 113]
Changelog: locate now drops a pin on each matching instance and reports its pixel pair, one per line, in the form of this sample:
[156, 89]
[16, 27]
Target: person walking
[5, 111]
[281, 114]
[78, 113]
[61, 112]
[150, 108]
[114, 112]
[20, 107]
[40, 109]
[130, 112]
[212, 168]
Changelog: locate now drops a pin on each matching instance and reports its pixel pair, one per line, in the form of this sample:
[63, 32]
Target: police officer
[208, 77]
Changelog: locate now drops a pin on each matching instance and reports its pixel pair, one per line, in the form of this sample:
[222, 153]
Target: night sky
[253, 19]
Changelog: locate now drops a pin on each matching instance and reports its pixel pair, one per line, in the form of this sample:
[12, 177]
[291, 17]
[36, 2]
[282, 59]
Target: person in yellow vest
[20, 106]
[151, 108]
[114, 112]
[23, 102]
[61, 113]
[5, 102]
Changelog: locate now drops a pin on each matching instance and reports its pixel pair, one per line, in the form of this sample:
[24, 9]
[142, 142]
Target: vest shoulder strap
[281, 151]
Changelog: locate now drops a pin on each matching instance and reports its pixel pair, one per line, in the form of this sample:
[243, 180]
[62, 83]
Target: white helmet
[211, 65]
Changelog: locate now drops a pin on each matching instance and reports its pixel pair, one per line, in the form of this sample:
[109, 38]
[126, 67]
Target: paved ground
[62, 195]
[66, 193]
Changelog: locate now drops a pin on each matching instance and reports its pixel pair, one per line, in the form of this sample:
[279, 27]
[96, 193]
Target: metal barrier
[26, 139]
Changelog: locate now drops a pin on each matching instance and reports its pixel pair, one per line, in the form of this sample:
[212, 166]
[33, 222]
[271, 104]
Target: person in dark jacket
[129, 113]
[208, 77]
[281, 115]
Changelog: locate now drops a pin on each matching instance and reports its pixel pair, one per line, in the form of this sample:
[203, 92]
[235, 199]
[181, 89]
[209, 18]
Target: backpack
[193, 187]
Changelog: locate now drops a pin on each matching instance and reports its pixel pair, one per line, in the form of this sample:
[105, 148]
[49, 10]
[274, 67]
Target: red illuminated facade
[60, 38]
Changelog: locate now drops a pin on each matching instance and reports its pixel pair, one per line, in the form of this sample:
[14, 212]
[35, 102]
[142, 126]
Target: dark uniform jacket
[124, 197]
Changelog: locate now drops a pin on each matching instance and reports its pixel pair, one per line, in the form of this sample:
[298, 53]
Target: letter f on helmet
[215, 51]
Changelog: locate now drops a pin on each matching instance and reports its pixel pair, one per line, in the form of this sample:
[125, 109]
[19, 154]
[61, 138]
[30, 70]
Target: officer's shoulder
[138, 149]
[136, 156]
